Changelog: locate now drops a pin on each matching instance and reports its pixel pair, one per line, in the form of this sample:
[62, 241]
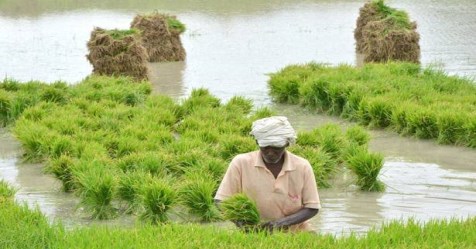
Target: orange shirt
[294, 188]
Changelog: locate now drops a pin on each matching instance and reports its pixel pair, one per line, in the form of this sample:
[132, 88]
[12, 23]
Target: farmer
[281, 183]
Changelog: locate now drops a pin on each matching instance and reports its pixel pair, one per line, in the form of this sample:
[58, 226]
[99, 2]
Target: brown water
[231, 47]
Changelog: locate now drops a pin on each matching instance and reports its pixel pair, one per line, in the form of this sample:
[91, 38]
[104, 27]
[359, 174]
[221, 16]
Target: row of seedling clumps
[423, 102]
[152, 38]
[125, 151]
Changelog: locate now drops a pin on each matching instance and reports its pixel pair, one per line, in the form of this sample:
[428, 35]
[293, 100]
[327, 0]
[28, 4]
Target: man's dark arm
[217, 203]
[293, 219]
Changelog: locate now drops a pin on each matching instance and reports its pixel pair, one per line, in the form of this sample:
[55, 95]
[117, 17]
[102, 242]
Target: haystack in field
[117, 52]
[384, 34]
[161, 36]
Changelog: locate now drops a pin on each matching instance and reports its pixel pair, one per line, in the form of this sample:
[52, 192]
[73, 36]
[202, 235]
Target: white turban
[273, 131]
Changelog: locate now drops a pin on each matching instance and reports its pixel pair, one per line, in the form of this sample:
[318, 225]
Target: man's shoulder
[298, 161]
[246, 156]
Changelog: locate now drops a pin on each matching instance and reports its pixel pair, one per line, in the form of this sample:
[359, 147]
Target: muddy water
[230, 50]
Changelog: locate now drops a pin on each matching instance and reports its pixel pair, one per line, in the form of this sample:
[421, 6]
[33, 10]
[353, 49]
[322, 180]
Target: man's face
[272, 154]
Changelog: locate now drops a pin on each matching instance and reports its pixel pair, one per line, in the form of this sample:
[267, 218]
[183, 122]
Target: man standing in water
[281, 183]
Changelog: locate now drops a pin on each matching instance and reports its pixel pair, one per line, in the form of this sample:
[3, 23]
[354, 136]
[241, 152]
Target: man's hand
[270, 226]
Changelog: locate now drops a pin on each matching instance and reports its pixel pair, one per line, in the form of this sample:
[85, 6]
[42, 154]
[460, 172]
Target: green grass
[405, 97]
[398, 17]
[118, 34]
[21, 227]
[175, 24]
[6, 191]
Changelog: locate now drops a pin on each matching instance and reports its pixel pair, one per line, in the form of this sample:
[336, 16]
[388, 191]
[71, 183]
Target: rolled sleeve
[310, 195]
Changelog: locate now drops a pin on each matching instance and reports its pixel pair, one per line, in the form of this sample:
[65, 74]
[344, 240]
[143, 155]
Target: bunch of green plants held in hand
[241, 210]
[422, 102]
[119, 148]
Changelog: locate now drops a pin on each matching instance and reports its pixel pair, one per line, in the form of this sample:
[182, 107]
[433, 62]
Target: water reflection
[166, 78]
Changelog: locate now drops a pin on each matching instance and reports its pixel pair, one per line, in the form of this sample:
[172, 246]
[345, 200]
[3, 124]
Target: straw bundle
[116, 52]
[384, 34]
[160, 36]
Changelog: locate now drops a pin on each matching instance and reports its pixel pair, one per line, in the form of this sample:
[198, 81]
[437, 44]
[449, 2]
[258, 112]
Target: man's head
[273, 135]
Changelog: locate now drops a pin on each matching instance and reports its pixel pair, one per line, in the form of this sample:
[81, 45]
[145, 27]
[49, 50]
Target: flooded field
[230, 50]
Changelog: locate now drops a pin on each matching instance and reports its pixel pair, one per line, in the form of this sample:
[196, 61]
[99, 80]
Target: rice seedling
[61, 167]
[231, 145]
[423, 123]
[356, 134]
[38, 112]
[199, 99]
[5, 101]
[34, 139]
[175, 24]
[331, 140]
[380, 112]
[21, 102]
[98, 187]
[61, 145]
[130, 186]
[155, 163]
[196, 193]
[450, 128]
[314, 93]
[55, 95]
[6, 191]
[366, 166]
[240, 104]
[262, 112]
[10, 85]
[323, 166]
[239, 208]
[158, 197]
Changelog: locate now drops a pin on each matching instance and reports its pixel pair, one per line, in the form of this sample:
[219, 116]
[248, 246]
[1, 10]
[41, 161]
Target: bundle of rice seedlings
[130, 186]
[232, 145]
[366, 166]
[384, 33]
[61, 168]
[54, 94]
[196, 194]
[157, 197]
[239, 208]
[97, 190]
[5, 100]
[117, 52]
[199, 99]
[34, 138]
[161, 36]
[450, 128]
[323, 166]
[6, 191]
[240, 104]
[20, 103]
[155, 163]
[358, 135]
[331, 140]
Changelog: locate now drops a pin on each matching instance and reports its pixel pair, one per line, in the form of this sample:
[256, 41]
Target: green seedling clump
[240, 209]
